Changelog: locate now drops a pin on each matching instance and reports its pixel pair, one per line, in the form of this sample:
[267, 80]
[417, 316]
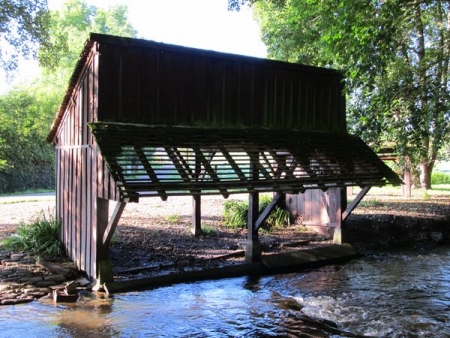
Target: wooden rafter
[218, 160]
[210, 170]
[150, 172]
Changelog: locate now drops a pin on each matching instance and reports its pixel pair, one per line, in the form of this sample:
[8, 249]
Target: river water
[388, 295]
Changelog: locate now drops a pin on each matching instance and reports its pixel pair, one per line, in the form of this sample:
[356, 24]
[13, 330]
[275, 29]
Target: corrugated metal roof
[162, 161]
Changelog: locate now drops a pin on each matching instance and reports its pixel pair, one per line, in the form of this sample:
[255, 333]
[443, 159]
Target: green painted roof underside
[148, 160]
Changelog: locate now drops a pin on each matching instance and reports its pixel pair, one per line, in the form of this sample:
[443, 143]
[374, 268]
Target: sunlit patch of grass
[40, 237]
[236, 214]
[19, 201]
[173, 219]
[27, 192]
[371, 203]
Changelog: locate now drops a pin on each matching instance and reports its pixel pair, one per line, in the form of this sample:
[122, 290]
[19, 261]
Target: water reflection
[393, 295]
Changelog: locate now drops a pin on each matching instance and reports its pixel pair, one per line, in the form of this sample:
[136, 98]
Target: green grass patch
[371, 203]
[39, 237]
[236, 214]
[208, 231]
[28, 192]
[173, 219]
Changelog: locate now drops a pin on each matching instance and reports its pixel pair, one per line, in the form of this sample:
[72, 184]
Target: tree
[23, 27]
[69, 29]
[26, 161]
[395, 55]
[26, 113]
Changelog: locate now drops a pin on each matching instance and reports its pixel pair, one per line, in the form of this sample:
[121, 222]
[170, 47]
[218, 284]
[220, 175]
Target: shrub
[236, 213]
[173, 219]
[440, 178]
[40, 237]
[208, 231]
[277, 218]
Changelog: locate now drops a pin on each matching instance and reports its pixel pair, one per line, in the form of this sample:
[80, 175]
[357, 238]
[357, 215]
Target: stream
[403, 294]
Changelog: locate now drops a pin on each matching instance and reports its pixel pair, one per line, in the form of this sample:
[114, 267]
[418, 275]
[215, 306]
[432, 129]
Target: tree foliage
[70, 28]
[395, 55]
[23, 27]
[26, 113]
[26, 160]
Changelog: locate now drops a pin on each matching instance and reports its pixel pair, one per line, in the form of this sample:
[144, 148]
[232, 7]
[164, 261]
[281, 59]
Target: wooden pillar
[197, 215]
[339, 233]
[253, 247]
[103, 235]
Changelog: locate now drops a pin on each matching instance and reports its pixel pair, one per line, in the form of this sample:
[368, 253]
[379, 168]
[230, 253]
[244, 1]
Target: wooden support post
[103, 270]
[104, 233]
[355, 202]
[112, 224]
[197, 215]
[339, 232]
[253, 247]
[265, 214]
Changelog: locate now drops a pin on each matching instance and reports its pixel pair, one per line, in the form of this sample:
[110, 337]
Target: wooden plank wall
[154, 86]
[316, 207]
[81, 174]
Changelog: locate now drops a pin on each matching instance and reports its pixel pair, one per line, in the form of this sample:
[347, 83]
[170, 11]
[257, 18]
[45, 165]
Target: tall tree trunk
[425, 174]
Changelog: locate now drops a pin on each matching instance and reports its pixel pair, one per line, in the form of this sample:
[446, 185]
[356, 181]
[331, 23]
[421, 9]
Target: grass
[173, 219]
[28, 192]
[21, 197]
[436, 190]
[236, 213]
[39, 237]
[208, 230]
[371, 203]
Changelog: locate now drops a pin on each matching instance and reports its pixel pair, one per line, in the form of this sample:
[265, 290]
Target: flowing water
[389, 295]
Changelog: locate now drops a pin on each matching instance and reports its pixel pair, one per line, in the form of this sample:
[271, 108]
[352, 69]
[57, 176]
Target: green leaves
[26, 160]
[40, 237]
[236, 214]
[23, 26]
[70, 28]
[396, 57]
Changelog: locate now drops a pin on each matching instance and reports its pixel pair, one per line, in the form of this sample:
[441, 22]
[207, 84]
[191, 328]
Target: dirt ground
[155, 236]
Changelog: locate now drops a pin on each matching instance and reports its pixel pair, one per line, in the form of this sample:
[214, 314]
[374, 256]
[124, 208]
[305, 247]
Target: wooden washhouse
[145, 119]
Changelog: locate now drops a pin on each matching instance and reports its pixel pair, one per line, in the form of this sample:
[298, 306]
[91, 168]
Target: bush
[440, 178]
[236, 213]
[40, 237]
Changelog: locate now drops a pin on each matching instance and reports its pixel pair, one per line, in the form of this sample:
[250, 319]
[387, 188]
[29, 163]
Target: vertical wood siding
[168, 87]
[316, 207]
[81, 174]
[152, 85]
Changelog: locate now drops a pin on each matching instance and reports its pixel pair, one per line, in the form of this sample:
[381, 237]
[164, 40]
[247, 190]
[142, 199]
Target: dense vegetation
[236, 213]
[39, 237]
[27, 111]
[395, 55]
